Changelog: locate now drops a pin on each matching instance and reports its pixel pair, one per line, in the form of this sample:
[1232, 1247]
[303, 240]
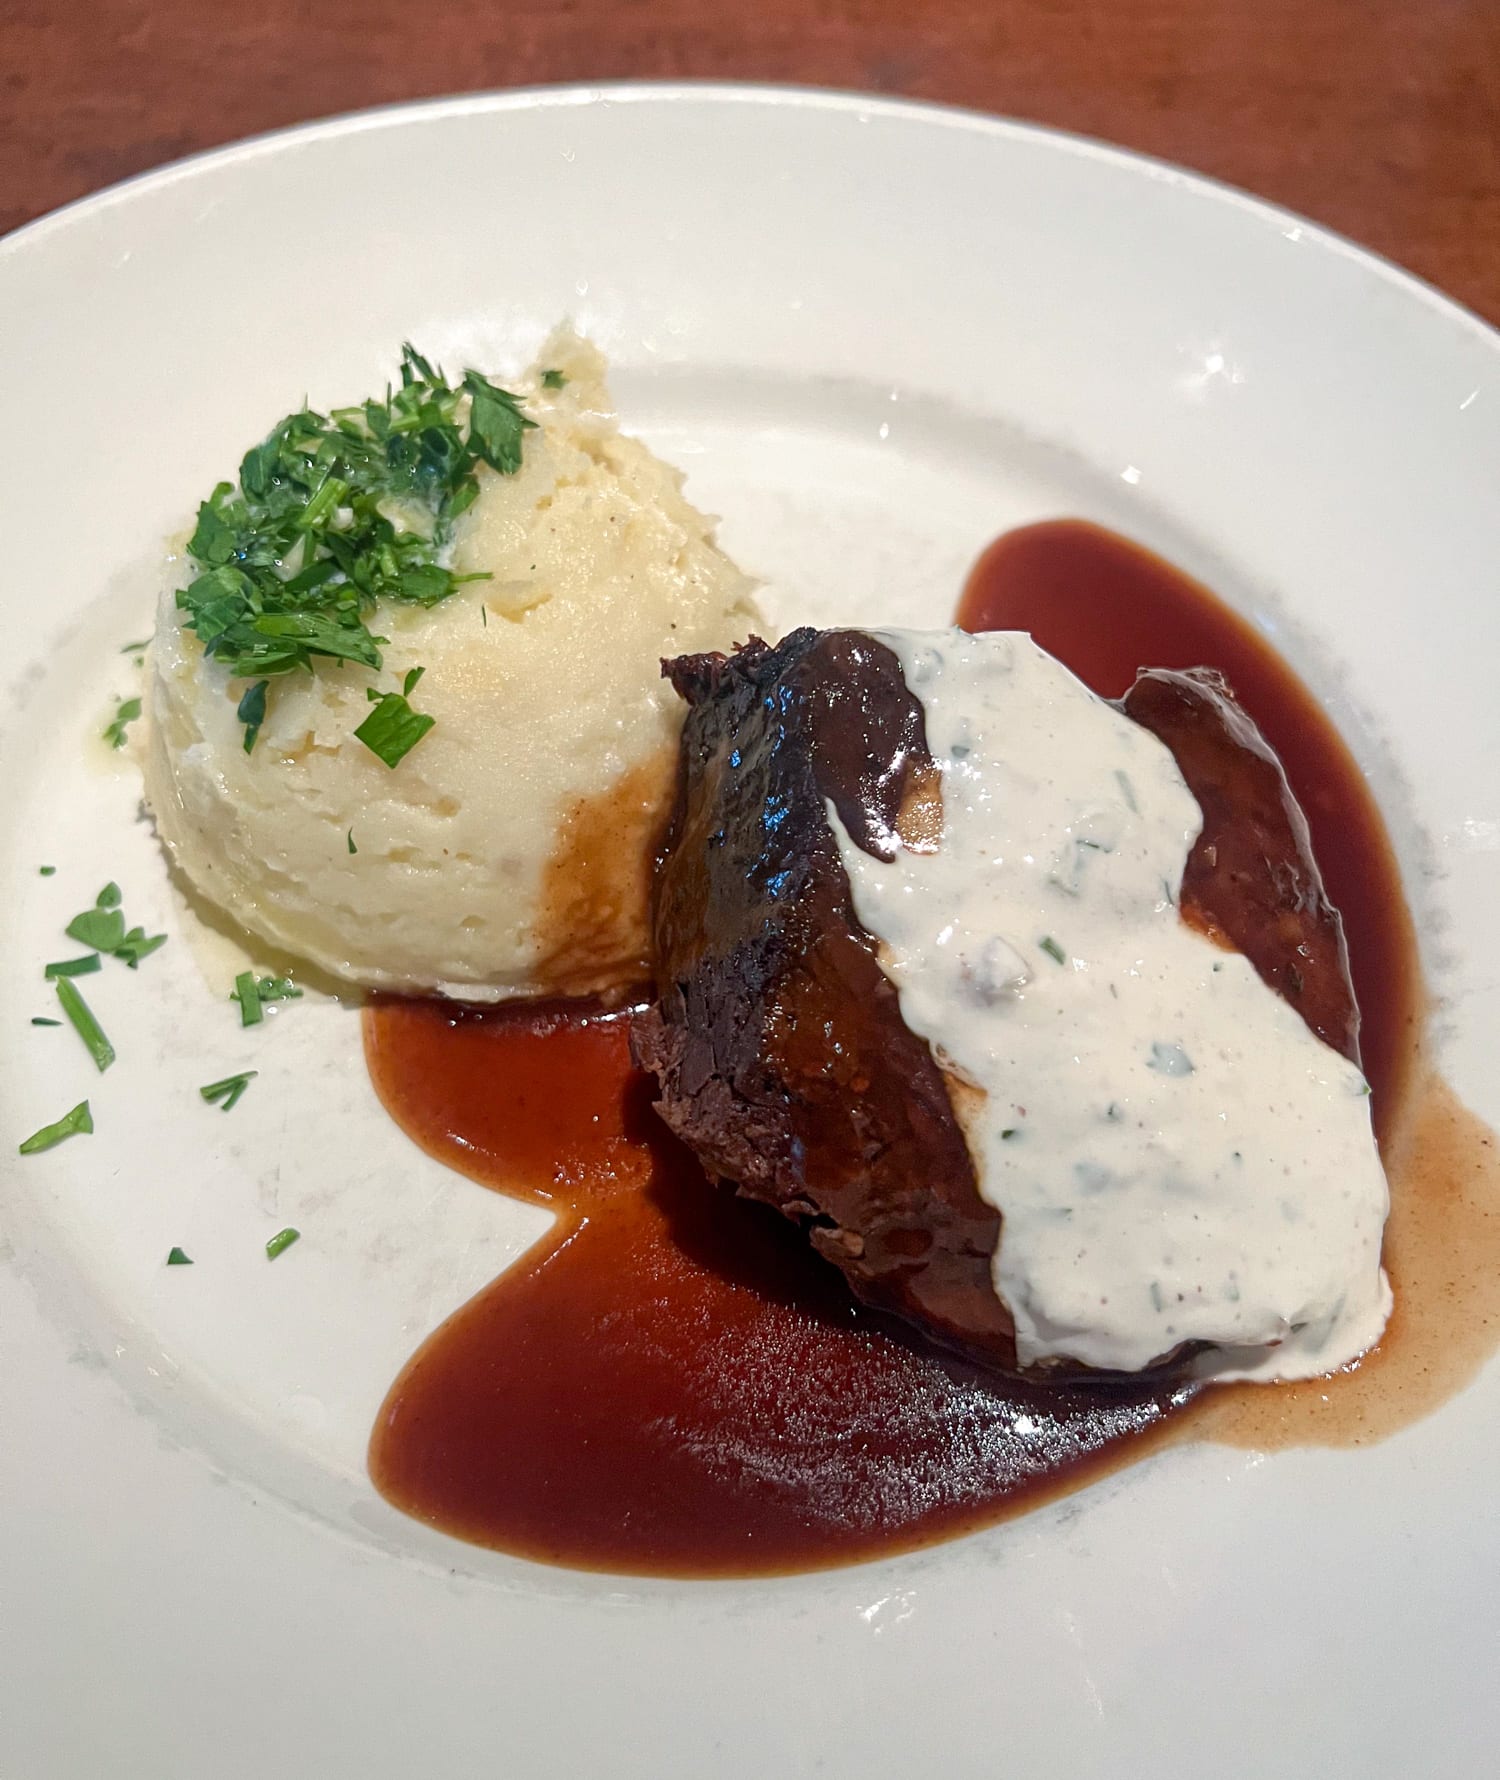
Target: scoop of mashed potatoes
[509, 852]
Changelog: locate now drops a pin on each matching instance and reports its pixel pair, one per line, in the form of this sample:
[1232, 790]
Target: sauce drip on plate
[671, 1382]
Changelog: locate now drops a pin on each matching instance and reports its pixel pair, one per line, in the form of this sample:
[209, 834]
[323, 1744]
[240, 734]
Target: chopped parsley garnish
[103, 928]
[251, 711]
[350, 838]
[334, 512]
[224, 1094]
[81, 1017]
[177, 1257]
[77, 1123]
[247, 994]
[281, 1242]
[553, 380]
[73, 967]
[251, 992]
[393, 728]
[278, 989]
[137, 944]
[42, 1020]
[125, 714]
[1053, 950]
[46, 871]
[496, 424]
[136, 648]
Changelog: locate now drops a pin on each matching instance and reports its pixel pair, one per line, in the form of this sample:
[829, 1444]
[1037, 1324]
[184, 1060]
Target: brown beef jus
[777, 1040]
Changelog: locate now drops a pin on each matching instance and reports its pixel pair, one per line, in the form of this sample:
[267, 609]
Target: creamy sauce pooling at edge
[1176, 1156]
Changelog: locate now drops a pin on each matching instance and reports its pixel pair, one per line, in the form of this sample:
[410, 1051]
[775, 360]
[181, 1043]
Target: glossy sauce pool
[671, 1382]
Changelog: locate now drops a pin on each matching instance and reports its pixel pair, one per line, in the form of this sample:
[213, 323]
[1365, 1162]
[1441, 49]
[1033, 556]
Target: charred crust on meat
[778, 1040]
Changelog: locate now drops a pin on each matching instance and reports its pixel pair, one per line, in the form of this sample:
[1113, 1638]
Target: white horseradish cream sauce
[1174, 1154]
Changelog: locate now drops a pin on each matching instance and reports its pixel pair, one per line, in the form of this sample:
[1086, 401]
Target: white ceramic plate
[875, 335]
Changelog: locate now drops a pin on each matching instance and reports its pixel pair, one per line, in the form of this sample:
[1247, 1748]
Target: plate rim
[1376, 275]
[405, 113]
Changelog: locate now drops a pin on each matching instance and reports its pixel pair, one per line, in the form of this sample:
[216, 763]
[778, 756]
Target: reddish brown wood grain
[1380, 118]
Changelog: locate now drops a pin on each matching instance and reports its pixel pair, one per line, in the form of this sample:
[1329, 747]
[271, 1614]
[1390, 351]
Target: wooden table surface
[1380, 118]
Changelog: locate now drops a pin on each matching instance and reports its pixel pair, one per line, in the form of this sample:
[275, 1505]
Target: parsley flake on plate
[281, 1242]
[103, 928]
[334, 512]
[247, 994]
[177, 1257]
[81, 1018]
[252, 992]
[278, 989]
[138, 944]
[225, 1094]
[77, 1123]
[126, 713]
[73, 967]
